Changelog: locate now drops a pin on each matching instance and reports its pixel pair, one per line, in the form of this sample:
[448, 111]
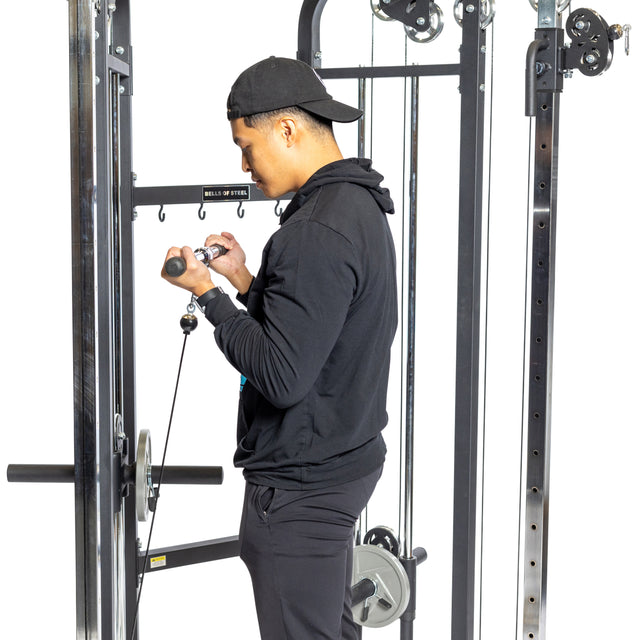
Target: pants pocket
[264, 500]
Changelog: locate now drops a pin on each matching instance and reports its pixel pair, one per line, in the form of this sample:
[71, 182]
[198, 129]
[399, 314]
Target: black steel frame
[103, 195]
[471, 71]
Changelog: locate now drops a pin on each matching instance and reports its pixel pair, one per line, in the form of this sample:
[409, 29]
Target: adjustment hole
[536, 452]
[534, 527]
[538, 340]
[539, 302]
[541, 225]
[544, 107]
[541, 263]
[537, 378]
[533, 563]
[543, 146]
[532, 599]
[531, 635]
[543, 185]
[534, 489]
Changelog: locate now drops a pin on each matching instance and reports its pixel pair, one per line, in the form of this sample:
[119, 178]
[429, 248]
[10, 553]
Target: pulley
[487, 12]
[433, 30]
[422, 19]
[380, 586]
[384, 538]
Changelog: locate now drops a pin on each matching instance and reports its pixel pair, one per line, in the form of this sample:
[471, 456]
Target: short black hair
[317, 124]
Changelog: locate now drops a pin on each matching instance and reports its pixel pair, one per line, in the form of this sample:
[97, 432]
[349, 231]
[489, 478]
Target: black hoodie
[313, 346]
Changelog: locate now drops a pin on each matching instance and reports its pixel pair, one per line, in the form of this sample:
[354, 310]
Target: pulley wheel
[436, 23]
[383, 537]
[392, 587]
[487, 12]
[144, 484]
[378, 11]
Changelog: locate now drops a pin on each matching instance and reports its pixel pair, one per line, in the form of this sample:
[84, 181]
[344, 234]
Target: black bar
[391, 72]
[188, 475]
[65, 473]
[409, 615]
[193, 194]
[118, 66]
[186, 554]
[472, 73]
[309, 32]
[41, 473]
[362, 590]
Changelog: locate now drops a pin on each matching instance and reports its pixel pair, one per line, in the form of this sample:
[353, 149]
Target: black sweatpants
[298, 547]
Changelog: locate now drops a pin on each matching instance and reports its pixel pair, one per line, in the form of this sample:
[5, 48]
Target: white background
[186, 56]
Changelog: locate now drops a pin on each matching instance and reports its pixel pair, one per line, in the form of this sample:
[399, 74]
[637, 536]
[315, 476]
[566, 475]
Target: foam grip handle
[175, 266]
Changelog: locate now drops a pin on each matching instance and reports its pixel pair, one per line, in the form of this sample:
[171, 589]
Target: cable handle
[176, 266]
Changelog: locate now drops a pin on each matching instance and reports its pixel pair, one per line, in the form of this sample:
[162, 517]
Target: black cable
[153, 518]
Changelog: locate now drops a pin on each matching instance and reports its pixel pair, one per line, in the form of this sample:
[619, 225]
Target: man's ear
[288, 130]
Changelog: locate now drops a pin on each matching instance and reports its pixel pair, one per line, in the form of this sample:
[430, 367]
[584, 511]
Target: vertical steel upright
[545, 105]
[102, 315]
[81, 79]
[472, 74]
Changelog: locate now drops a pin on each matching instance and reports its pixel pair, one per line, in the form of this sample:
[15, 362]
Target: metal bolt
[120, 89]
[135, 214]
[97, 34]
[420, 21]
[469, 8]
[119, 50]
[97, 79]
[580, 25]
[483, 49]
[590, 58]
[317, 55]
[386, 1]
[481, 88]
[112, 7]
[546, 20]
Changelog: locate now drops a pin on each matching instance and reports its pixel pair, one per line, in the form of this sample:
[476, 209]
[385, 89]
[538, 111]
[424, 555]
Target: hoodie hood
[355, 170]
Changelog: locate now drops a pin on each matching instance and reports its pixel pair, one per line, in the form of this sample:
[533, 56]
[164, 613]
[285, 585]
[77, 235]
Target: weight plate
[144, 485]
[383, 537]
[392, 586]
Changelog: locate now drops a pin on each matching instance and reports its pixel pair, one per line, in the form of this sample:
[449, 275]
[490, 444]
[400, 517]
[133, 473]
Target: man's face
[263, 156]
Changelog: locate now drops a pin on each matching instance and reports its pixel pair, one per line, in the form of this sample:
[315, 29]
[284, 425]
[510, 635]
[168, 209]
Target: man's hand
[231, 265]
[196, 279]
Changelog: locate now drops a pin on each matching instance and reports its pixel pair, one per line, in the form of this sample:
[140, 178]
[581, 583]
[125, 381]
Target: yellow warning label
[157, 562]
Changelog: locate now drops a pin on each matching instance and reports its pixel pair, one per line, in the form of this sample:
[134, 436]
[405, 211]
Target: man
[313, 348]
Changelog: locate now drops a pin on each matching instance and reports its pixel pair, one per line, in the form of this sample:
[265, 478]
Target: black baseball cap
[277, 83]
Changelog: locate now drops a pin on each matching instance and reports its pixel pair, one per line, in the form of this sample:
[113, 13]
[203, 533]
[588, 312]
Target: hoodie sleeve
[311, 278]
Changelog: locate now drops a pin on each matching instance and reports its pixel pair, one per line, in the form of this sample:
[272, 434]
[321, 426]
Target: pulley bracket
[591, 49]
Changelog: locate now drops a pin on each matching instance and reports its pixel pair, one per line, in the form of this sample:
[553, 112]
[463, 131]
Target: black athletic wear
[315, 340]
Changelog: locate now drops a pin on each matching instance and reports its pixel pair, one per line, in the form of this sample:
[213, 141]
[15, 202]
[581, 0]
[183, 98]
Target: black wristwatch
[202, 301]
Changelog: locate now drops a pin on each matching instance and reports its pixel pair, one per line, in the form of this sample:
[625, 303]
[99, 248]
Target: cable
[153, 518]
[402, 309]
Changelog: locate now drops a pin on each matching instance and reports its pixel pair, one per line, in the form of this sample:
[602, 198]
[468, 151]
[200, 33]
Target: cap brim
[331, 110]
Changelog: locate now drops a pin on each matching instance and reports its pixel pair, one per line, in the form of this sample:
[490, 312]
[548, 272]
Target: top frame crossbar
[390, 72]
